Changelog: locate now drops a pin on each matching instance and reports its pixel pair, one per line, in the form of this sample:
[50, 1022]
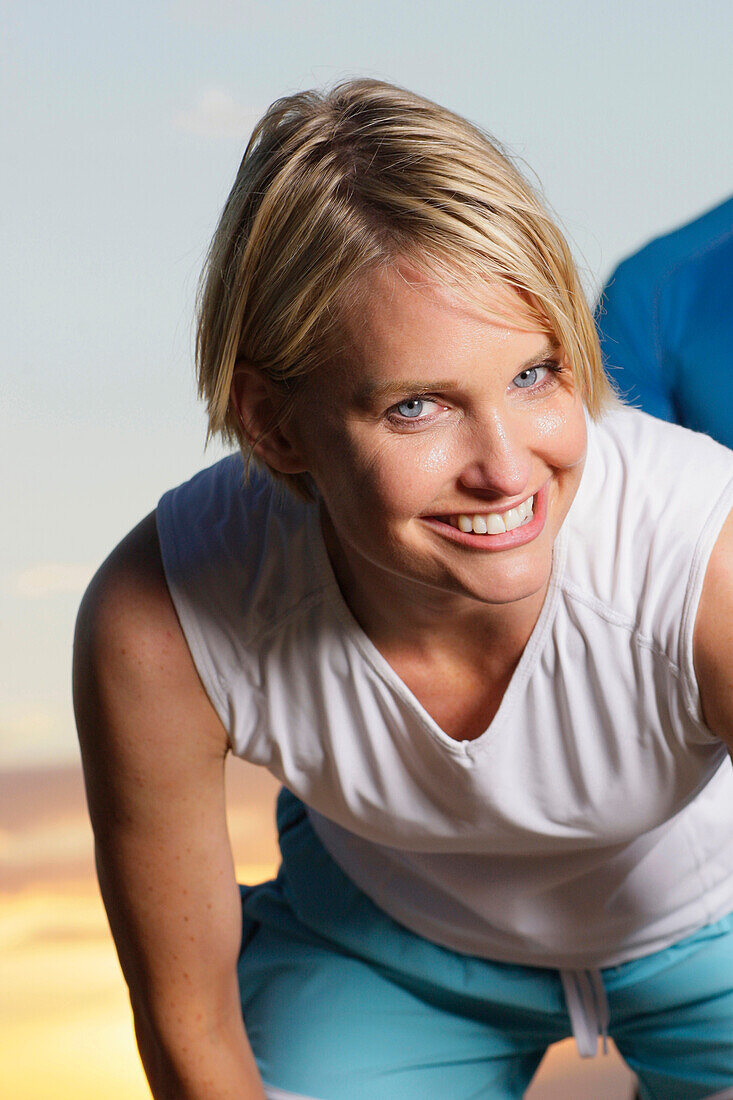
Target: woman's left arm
[713, 638]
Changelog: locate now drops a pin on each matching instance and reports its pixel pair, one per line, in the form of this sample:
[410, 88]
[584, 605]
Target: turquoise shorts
[342, 1003]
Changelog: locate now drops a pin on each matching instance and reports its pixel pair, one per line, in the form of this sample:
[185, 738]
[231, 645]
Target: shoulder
[129, 647]
[246, 571]
[668, 253]
[239, 553]
[643, 443]
[651, 503]
[639, 465]
[128, 597]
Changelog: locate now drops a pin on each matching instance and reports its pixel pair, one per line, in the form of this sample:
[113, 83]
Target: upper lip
[475, 509]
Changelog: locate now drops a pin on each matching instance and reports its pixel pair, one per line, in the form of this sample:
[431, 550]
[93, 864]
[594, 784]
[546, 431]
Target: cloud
[36, 732]
[50, 578]
[69, 843]
[46, 838]
[26, 723]
[45, 835]
[217, 114]
[31, 797]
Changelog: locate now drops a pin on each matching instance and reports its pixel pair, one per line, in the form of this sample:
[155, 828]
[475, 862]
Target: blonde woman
[475, 617]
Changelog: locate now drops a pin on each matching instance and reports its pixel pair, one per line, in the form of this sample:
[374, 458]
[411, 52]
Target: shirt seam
[616, 618]
[696, 577]
[642, 641]
[303, 604]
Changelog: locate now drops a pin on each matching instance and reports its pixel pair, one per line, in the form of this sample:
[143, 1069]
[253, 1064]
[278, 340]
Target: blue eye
[528, 378]
[411, 408]
[417, 412]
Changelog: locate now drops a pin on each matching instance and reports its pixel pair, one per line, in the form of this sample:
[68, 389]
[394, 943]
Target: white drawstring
[272, 1093]
[585, 997]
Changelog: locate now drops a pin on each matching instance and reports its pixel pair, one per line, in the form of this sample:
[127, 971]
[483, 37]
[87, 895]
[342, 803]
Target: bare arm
[713, 639]
[153, 751]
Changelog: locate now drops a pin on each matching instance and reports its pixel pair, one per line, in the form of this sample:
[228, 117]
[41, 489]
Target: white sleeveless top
[592, 822]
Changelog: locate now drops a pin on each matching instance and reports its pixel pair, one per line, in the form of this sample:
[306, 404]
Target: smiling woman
[480, 632]
[484, 443]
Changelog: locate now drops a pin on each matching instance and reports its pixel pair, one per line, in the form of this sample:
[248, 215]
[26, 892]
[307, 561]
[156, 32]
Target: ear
[260, 411]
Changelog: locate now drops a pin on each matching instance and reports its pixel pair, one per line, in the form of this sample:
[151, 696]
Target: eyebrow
[372, 392]
[390, 389]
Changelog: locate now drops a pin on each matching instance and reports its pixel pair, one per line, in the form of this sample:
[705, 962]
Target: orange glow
[65, 1023]
[66, 1027]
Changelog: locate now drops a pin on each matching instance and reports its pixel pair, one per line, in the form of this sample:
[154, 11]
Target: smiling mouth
[492, 523]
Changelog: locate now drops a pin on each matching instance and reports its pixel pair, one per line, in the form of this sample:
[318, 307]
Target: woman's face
[447, 446]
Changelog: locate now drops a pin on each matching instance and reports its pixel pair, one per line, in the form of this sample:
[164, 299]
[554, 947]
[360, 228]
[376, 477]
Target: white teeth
[495, 523]
[512, 518]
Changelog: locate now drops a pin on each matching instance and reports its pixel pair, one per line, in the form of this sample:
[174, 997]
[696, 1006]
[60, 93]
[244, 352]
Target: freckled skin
[489, 444]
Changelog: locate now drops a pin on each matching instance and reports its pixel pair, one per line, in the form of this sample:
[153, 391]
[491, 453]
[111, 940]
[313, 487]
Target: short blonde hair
[333, 184]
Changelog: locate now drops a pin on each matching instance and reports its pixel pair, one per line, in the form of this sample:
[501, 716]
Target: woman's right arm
[153, 750]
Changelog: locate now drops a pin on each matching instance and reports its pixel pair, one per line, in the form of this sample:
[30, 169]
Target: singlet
[665, 320]
[592, 822]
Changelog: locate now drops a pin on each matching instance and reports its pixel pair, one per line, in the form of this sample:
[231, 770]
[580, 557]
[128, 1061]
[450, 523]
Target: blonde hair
[333, 184]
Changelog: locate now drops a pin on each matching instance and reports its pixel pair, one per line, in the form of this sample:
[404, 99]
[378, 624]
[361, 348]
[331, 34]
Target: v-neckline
[466, 749]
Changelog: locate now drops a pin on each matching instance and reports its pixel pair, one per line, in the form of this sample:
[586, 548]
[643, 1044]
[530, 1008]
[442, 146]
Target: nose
[500, 462]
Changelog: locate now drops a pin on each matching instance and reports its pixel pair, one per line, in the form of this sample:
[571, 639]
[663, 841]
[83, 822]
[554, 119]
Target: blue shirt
[666, 325]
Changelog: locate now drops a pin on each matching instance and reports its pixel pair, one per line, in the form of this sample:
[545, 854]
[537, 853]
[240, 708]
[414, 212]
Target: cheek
[354, 477]
[437, 459]
[408, 472]
[562, 434]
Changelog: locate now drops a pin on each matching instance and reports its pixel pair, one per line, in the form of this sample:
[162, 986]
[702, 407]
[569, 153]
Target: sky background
[121, 131]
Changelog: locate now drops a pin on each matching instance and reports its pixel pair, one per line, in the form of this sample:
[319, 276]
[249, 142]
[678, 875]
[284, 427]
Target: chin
[520, 582]
[509, 594]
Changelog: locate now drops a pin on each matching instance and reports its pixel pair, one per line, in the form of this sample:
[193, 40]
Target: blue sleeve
[627, 317]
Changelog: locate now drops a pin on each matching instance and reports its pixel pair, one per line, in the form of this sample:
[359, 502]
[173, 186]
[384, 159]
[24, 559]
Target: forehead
[403, 319]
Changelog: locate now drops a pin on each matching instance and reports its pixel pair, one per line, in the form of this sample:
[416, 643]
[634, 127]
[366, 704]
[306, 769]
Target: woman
[481, 631]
